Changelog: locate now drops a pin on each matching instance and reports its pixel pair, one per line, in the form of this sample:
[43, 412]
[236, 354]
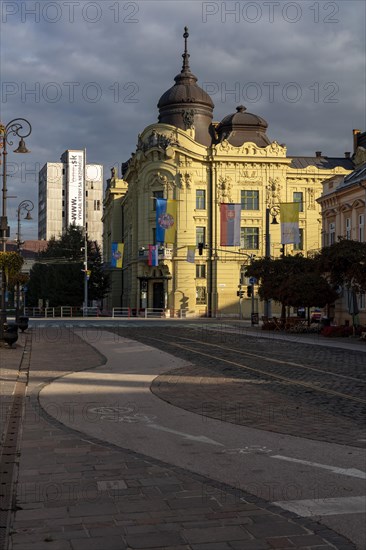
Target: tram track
[289, 387]
[273, 360]
[258, 371]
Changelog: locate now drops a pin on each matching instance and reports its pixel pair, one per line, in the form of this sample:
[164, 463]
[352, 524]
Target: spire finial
[185, 56]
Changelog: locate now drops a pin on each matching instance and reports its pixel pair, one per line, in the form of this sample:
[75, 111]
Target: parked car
[315, 316]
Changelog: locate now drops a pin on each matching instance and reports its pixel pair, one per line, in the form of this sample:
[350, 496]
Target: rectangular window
[249, 238]
[201, 271]
[300, 246]
[200, 235]
[361, 228]
[157, 195]
[348, 228]
[298, 197]
[331, 233]
[96, 205]
[153, 235]
[201, 295]
[249, 200]
[362, 301]
[201, 199]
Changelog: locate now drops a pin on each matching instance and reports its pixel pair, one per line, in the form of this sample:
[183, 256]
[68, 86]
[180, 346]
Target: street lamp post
[270, 211]
[17, 127]
[26, 205]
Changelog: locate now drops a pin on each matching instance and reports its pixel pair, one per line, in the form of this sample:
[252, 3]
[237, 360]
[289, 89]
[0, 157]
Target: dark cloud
[97, 70]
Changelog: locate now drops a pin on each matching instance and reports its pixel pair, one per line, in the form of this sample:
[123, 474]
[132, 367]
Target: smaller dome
[241, 127]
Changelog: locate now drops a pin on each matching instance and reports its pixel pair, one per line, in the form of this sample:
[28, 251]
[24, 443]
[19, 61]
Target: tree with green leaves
[58, 275]
[292, 281]
[344, 264]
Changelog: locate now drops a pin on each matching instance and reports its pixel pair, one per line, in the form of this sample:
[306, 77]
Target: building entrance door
[158, 295]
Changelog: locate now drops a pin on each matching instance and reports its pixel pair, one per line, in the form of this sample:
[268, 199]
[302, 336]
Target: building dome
[186, 105]
[241, 127]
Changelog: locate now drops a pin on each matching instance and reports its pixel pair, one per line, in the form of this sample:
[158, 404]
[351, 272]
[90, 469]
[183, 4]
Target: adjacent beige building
[343, 213]
[112, 223]
[189, 157]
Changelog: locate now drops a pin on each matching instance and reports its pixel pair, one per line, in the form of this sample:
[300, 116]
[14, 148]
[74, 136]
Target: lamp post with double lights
[27, 206]
[17, 127]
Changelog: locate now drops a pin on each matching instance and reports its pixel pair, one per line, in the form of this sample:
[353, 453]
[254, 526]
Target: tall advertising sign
[75, 187]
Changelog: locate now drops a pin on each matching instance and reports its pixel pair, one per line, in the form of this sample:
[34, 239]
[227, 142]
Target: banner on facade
[166, 220]
[191, 253]
[75, 187]
[117, 255]
[230, 224]
[289, 216]
[153, 258]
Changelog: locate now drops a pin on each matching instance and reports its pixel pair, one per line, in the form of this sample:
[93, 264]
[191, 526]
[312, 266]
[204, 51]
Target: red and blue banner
[230, 224]
[153, 258]
[166, 217]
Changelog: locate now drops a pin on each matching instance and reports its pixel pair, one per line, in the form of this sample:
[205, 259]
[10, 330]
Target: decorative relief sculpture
[174, 138]
[224, 187]
[185, 161]
[161, 179]
[273, 192]
[311, 198]
[224, 146]
[155, 139]
[188, 118]
[248, 174]
[251, 149]
[185, 180]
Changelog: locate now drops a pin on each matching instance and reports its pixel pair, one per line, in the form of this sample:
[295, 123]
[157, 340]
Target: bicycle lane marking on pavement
[128, 378]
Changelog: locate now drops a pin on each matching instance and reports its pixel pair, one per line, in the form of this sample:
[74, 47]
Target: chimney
[347, 154]
[355, 139]
[318, 153]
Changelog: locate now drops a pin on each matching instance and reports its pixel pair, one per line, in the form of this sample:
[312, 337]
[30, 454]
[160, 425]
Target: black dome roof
[185, 90]
[186, 105]
[242, 126]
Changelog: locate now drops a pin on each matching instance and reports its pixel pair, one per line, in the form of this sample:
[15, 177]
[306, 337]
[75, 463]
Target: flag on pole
[230, 224]
[117, 254]
[289, 216]
[153, 258]
[166, 220]
[191, 253]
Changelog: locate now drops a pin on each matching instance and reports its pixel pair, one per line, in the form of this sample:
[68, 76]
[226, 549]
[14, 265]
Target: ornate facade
[343, 213]
[200, 163]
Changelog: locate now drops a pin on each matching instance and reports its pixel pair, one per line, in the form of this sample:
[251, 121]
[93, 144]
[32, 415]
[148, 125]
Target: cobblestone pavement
[74, 493]
[317, 408]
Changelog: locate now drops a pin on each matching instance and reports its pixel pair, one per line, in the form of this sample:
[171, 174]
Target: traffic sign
[252, 280]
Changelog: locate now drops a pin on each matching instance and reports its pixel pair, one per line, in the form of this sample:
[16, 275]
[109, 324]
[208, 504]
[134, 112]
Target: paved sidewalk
[79, 493]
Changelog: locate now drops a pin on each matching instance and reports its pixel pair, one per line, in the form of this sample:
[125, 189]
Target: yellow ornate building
[200, 163]
[343, 212]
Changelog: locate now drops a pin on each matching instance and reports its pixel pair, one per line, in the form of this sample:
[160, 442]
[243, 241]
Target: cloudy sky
[90, 74]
